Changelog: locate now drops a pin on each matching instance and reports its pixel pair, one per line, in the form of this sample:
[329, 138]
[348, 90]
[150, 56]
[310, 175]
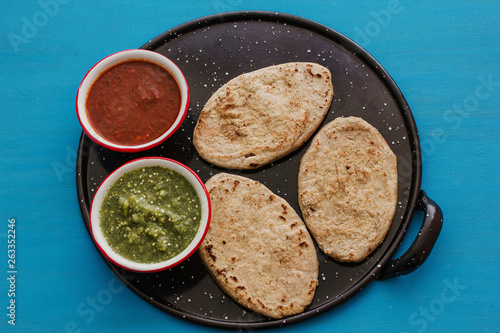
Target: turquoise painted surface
[444, 57]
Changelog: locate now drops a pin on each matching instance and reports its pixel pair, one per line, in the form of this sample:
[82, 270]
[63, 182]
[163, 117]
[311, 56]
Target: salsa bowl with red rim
[106, 64]
[97, 202]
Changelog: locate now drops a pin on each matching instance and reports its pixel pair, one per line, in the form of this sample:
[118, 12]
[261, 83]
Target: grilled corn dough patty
[257, 248]
[261, 116]
[348, 188]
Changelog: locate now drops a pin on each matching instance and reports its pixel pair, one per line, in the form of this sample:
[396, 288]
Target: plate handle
[423, 243]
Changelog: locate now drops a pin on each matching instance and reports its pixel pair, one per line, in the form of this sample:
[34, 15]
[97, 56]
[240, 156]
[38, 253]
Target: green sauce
[150, 214]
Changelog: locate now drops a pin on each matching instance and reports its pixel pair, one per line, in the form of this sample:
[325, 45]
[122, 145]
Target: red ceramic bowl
[95, 72]
[95, 208]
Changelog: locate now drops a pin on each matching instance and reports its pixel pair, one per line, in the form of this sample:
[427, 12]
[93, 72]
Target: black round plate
[212, 50]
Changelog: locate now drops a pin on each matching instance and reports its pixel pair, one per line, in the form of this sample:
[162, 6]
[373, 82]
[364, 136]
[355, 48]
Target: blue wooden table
[445, 59]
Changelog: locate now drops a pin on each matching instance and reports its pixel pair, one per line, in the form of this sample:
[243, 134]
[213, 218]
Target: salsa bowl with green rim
[150, 214]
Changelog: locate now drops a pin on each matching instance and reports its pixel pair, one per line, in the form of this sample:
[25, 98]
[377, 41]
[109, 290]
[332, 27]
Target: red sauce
[133, 102]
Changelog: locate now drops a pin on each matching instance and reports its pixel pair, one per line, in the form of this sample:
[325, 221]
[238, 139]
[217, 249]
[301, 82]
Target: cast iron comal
[211, 51]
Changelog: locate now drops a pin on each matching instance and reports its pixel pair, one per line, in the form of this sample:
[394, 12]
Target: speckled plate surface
[212, 50]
